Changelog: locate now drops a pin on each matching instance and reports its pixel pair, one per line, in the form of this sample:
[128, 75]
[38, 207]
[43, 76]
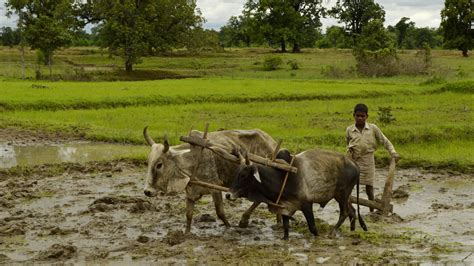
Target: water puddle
[12, 155]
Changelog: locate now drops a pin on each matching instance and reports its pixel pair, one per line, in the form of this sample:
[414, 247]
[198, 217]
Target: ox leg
[244, 221]
[286, 226]
[352, 215]
[218, 204]
[342, 215]
[307, 210]
[189, 214]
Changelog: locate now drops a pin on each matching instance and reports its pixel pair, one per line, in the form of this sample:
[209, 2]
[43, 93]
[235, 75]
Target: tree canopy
[456, 19]
[133, 29]
[283, 21]
[356, 14]
[47, 25]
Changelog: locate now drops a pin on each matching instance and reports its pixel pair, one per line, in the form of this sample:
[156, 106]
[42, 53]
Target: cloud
[425, 13]
[217, 13]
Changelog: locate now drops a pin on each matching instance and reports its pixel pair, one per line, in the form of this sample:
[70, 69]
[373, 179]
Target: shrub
[385, 115]
[272, 63]
[434, 80]
[336, 72]
[382, 62]
[293, 64]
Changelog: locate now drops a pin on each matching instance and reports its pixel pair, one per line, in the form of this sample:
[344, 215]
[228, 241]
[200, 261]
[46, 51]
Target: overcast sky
[425, 13]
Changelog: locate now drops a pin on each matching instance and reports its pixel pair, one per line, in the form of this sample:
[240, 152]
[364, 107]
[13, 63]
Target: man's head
[361, 113]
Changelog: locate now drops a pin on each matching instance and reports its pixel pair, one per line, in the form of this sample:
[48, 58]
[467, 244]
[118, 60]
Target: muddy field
[97, 212]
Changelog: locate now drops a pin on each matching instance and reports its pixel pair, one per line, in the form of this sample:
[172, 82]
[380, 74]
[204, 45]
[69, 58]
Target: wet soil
[101, 215]
[24, 136]
[96, 212]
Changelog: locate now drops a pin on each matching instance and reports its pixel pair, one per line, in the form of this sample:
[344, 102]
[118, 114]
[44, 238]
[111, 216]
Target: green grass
[434, 124]
[29, 95]
[423, 132]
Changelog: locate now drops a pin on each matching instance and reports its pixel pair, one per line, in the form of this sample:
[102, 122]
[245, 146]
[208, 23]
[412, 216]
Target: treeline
[133, 29]
[297, 23]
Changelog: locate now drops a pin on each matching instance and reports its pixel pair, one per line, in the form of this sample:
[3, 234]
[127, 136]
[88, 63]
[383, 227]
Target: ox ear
[256, 175]
[166, 144]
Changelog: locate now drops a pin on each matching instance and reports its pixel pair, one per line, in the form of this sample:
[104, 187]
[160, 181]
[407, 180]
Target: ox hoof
[334, 234]
[244, 223]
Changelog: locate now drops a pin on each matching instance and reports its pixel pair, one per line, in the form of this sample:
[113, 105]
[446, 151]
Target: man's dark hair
[360, 107]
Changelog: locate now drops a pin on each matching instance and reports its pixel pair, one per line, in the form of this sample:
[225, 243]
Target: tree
[132, 29]
[47, 25]
[9, 36]
[335, 37]
[402, 28]
[375, 37]
[241, 29]
[375, 54]
[456, 19]
[355, 14]
[282, 21]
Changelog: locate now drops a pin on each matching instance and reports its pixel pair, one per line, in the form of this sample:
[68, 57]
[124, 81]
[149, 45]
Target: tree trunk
[464, 53]
[296, 48]
[22, 61]
[128, 65]
[50, 63]
[283, 45]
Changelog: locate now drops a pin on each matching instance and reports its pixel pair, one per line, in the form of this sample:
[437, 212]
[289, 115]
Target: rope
[284, 181]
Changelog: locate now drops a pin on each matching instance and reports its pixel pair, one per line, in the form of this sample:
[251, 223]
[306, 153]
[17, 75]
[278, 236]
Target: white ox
[170, 167]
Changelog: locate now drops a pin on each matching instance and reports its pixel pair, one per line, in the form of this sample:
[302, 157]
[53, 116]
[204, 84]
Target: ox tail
[361, 221]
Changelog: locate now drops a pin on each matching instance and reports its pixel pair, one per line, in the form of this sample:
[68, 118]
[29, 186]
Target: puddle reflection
[11, 156]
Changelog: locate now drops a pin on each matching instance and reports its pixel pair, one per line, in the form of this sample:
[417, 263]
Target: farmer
[361, 140]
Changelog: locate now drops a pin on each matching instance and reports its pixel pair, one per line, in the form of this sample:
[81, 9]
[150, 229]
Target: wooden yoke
[225, 153]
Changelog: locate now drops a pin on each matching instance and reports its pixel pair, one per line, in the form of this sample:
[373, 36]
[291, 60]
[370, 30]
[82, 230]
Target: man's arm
[386, 143]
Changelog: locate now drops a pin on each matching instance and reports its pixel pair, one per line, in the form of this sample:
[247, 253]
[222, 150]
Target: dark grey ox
[322, 176]
[171, 167]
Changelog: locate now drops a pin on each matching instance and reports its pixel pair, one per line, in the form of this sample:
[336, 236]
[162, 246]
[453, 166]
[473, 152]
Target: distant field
[41, 95]
[434, 124]
[92, 63]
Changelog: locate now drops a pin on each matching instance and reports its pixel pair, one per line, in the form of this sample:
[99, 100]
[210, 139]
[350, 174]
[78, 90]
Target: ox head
[167, 167]
[245, 177]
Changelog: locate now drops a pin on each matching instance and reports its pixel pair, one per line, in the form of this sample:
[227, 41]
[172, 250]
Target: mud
[76, 216]
[23, 136]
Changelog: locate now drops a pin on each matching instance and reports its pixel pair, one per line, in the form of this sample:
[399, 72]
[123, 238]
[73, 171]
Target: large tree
[9, 36]
[283, 21]
[241, 29]
[402, 27]
[134, 28]
[46, 24]
[355, 14]
[457, 17]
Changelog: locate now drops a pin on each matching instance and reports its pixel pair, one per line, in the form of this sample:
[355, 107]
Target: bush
[385, 115]
[434, 80]
[382, 62]
[336, 72]
[272, 63]
[419, 64]
[293, 64]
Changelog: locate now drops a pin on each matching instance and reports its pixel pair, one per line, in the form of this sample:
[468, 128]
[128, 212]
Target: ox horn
[148, 139]
[166, 144]
[239, 154]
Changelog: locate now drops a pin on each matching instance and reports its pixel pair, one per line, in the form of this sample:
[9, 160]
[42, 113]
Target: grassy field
[434, 124]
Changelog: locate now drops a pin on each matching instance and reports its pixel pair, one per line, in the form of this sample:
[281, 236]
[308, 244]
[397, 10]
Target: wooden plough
[224, 152]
